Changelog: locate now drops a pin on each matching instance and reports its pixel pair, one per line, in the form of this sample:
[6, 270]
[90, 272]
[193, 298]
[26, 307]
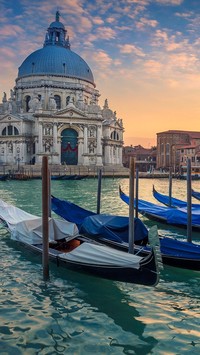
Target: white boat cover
[102, 255]
[13, 215]
[27, 228]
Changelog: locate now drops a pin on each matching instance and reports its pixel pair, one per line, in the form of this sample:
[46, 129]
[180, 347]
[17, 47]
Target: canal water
[79, 314]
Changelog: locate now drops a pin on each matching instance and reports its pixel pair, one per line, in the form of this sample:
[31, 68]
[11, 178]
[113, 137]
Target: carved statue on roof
[107, 113]
[33, 103]
[12, 94]
[4, 97]
[52, 102]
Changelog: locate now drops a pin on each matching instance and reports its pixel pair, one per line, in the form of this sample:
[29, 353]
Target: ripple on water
[76, 314]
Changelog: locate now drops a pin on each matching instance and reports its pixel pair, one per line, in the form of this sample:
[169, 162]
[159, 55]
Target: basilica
[53, 110]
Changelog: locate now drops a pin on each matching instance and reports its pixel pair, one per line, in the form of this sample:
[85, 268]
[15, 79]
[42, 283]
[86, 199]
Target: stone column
[111, 155]
[107, 155]
[40, 137]
[99, 135]
[5, 152]
[120, 155]
[55, 148]
[99, 145]
[80, 150]
[55, 138]
[85, 146]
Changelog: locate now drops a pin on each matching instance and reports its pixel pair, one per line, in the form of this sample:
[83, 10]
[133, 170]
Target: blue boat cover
[196, 194]
[170, 215]
[178, 248]
[69, 211]
[175, 202]
[115, 228]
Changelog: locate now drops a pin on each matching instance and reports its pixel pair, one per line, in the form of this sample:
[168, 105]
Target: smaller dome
[56, 24]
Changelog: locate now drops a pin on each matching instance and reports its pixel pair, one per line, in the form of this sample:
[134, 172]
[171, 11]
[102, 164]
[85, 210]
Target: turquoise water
[79, 314]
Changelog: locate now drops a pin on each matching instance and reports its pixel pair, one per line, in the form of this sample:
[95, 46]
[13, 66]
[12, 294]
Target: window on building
[58, 101]
[10, 131]
[114, 135]
[27, 99]
[67, 100]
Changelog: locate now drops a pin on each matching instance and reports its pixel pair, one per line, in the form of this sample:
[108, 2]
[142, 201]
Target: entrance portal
[69, 147]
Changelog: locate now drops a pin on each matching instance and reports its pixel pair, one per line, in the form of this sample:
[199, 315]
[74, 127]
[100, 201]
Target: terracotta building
[145, 158]
[174, 146]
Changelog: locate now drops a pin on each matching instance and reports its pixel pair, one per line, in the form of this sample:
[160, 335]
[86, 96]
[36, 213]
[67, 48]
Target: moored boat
[69, 249]
[171, 202]
[114, 231]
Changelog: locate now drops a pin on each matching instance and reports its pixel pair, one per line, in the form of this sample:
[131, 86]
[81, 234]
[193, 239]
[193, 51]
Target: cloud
[169, 43]
[170, 2]
[8, 53]
[110, 19]
[10, 31]
[183, 61]
[131, 48]
[105, 33]
[144, 22]
[97, 21]
[153, 66]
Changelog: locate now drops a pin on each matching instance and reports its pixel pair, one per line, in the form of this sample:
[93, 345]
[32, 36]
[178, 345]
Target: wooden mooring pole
[131, 206]
[189, 202]
[99, 192]
[45, 217]
[170, 187]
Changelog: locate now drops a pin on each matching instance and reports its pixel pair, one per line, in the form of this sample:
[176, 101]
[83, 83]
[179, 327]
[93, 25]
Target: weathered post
[99, 191]
[170, 187]
[136, 192]
[45, 217]
[131, 205]
[189, 202]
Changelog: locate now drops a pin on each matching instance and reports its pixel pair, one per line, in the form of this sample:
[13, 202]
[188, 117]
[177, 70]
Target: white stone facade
[58, 116]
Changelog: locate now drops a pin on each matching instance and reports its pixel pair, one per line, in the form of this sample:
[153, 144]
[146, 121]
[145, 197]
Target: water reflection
[74, 302]
[106, 297]
[77, 314]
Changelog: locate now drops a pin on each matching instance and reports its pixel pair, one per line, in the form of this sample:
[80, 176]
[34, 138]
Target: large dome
[55, 60]
[56, 57]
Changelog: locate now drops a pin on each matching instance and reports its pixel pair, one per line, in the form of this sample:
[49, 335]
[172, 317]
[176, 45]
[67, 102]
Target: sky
[144, 55]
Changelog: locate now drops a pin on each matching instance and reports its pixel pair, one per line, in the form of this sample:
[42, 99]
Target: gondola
[114, 231]
[67, 248]
[196, 195]
[171, 202]
[4, 177]
[167, 215]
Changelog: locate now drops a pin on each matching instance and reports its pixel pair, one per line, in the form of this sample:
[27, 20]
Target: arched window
[67, 100]
[10, 131]
[27, 99]
[115, 136]
[16, 132]
[58, 101]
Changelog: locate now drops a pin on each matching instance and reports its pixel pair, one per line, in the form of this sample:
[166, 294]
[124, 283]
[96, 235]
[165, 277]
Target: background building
[145, 158]
[53, 110]
[174, 147]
